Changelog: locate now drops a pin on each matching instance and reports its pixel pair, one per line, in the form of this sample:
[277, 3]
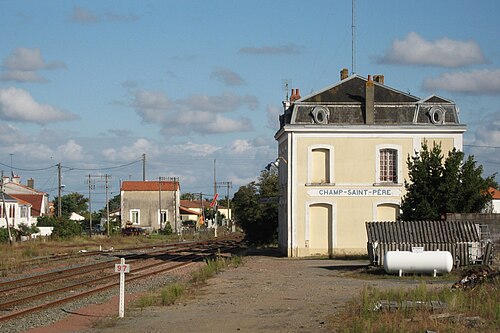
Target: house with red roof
[150, 204]
[14, 211]
[495, 200]
[31, 202]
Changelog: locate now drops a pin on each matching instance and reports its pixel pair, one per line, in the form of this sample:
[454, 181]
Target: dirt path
[266, 294]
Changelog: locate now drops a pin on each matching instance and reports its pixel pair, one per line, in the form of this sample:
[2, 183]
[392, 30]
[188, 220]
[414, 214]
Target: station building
[342, 156]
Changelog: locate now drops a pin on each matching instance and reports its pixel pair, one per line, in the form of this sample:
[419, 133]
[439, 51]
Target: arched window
[320, 165]
[388, 168]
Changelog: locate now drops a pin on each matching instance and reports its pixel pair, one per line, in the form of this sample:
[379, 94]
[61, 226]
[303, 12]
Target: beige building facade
[150, 204]
[342, 160]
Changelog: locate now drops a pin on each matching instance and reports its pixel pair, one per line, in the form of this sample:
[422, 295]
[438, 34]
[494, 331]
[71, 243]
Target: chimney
[378, 79]
[370, 102]
[31, 183]
[16, 179]
[6, 179]
[344, 73]
[295, 95]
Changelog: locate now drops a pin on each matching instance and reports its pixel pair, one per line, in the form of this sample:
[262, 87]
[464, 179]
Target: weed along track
[31, 294]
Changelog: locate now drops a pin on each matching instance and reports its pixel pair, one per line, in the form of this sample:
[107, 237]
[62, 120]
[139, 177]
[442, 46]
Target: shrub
[65, 229]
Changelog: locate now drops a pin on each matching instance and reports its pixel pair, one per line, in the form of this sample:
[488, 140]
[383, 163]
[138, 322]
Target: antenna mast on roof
[353, 27]
[285, 85]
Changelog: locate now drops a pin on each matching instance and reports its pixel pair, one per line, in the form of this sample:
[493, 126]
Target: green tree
[437, 187]
[65, 228]
[73, 202]
[190, 196]
[256, 209]
[27, 230]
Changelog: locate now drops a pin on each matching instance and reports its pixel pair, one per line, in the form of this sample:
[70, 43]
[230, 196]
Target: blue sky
[95, 84]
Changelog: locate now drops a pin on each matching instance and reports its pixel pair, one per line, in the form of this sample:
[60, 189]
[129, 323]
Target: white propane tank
[418, 262]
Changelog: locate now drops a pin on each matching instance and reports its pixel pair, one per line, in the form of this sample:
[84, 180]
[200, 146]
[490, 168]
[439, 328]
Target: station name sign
[355, 192]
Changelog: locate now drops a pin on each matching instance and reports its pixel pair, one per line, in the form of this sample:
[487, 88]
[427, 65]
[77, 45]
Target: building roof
[150, 185]
[197, 204]
[9, 198]
[422, 232]
[17, 188]
[186, 211]
[495, 194]
[345, 103]
[35, 200]
[194, 204]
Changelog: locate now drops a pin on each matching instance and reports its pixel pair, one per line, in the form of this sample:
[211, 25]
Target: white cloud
[227, 77]
[70, 151]
[477, 82]
[23, 63]
[10, 134]
[273, 116]
[133, 152]
[18, 105]
[240, 146]
[289, 48]
[200, 114]
[445, 52]
[152, 106]
[83, 15]
[196, 149]
[484, 145]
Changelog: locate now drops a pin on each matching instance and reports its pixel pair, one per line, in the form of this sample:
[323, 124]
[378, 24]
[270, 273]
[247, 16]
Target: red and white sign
[215, 200]
[122, 268]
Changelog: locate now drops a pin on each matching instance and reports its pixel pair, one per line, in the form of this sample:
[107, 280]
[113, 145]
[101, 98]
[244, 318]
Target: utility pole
[4, 209]
[143, 167]
[160, 179]
[215, 181]
[353, 27]
[228, 185]
[59, 202]
[106, 176]
[100, 178]
[91, 184]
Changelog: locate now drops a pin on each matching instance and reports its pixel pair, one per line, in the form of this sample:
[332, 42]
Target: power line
[479, 146]
[97, 169]
[21, 169]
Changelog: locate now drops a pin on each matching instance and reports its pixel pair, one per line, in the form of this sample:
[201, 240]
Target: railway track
[32, 294]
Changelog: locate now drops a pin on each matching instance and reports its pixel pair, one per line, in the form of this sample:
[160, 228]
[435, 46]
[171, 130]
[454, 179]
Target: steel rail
[82, 284]
[108, 286]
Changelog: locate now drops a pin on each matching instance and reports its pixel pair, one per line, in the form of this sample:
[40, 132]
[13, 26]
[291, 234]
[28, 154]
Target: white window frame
[330, 150]
[160, 222]
[398, 150]
[138, 211]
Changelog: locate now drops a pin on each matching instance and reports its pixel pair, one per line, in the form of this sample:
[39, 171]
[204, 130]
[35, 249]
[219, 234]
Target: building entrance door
[320, 229]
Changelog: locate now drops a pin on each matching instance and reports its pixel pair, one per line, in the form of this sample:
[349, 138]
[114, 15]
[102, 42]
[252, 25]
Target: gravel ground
[55, 315]
[266, 294]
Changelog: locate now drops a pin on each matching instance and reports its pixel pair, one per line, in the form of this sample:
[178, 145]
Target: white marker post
[122, 268]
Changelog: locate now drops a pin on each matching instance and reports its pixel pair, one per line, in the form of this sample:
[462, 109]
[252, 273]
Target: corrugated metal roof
[409, 232]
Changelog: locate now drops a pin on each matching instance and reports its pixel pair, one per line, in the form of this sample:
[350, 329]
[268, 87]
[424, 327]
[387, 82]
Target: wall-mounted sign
[354, 192]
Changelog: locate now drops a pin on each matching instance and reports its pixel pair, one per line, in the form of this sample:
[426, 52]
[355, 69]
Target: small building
[38, 200]
[461, 238]
[495, 200]
[14, 211]
[150, 204]
[192, 210]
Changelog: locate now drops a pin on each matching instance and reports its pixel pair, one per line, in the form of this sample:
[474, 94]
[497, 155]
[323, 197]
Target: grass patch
[171, 293]
[213, 267]
[476, 310]
[14, 257]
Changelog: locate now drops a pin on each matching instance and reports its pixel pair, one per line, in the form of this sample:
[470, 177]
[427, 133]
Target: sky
[197, 86]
